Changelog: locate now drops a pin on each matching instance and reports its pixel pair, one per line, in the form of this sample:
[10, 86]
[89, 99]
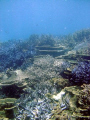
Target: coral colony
[81, 74]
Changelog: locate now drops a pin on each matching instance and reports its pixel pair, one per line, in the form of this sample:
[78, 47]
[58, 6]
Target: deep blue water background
[21, 18]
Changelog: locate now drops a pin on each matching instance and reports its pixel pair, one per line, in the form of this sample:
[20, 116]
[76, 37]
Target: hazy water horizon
[21, 18]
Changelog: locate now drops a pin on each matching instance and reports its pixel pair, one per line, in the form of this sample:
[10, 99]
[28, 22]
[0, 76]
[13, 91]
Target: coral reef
[14, 53]
[46, 87]
[36, 103]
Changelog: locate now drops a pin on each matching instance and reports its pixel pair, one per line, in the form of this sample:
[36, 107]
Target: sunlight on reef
[46, 78]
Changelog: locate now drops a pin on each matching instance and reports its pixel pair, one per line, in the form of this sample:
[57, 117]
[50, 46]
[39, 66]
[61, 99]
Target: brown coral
[84, 100]
[74, 105]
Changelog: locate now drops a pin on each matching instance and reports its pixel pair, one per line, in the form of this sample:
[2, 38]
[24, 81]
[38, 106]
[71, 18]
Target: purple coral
[81, 74]
[14, 53]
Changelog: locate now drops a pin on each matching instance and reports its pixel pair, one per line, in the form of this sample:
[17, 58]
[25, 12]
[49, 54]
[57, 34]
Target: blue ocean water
[21, 18]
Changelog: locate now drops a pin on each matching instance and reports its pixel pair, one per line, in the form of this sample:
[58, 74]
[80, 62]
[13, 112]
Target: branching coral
[13, 54]
[81, 74]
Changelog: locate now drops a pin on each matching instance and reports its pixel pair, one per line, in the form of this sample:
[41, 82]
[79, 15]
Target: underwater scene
[44, 59]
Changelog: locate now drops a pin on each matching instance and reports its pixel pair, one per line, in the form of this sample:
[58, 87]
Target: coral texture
[81, 74]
